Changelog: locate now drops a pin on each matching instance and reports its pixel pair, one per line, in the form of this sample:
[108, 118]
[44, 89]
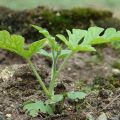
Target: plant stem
[63, 64]
[38, 78]
[53, 81]
[54, 59]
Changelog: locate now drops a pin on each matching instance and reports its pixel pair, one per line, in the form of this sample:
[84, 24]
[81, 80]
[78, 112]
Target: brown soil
[94, 70]
[18, 85]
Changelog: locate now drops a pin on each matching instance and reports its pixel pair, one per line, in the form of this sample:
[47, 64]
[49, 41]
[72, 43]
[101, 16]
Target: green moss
[85, 13]
[110, 83]
[81, 86]
[116, 64]
[54, 21]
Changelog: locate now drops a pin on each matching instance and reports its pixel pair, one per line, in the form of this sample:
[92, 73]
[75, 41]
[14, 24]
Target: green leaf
[35, 47]
[33, 113]
[54, 99]
[85, 48]
[34, 108]
[64, 53]
[76, 36]
[15, 43]
[62, 37]
[42, 30]
[109, 33]
[75, 39]
[92, 33]
[93, 36]
[45, 53]
[49, 109]
[51, 39]
[61, 54]
[76, 95]
[82, 40]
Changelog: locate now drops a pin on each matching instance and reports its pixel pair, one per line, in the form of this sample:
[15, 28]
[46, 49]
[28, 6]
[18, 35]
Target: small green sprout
[77, 41]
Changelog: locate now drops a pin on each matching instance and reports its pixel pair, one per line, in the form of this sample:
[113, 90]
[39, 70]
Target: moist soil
[95, 73]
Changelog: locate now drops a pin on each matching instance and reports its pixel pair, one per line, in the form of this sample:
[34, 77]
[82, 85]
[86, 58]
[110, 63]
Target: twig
[111, 102]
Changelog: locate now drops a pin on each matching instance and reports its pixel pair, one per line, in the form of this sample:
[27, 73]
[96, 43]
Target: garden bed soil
[19, 85]
[94, 70]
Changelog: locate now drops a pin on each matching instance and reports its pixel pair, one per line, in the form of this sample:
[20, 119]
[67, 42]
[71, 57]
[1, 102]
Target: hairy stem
[63, 64]
[38, 78]
[53, 82]
[54, 59]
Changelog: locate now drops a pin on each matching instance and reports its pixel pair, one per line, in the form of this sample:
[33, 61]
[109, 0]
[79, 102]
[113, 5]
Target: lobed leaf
[45, 53]
[62, 37]
[50, 38]
[55, 98]
[64, 53]
[34, 108]
[94, 36]
[84, 48]
[15, 43]
[42, 30]
[76, 36]
[92, 33]
[76, 95]
[82, 40]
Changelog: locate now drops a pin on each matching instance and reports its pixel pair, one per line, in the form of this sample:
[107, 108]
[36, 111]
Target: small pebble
[69, 69]
[8, 115]
[116, 71]
[102, 117]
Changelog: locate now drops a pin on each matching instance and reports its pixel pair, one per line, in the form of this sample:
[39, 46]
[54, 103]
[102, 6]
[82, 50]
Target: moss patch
[55, 21]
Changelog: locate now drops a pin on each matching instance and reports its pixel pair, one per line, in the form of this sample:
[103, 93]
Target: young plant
[78, 41]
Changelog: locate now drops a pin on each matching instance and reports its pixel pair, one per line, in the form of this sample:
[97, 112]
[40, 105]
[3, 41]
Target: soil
[93, 73]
